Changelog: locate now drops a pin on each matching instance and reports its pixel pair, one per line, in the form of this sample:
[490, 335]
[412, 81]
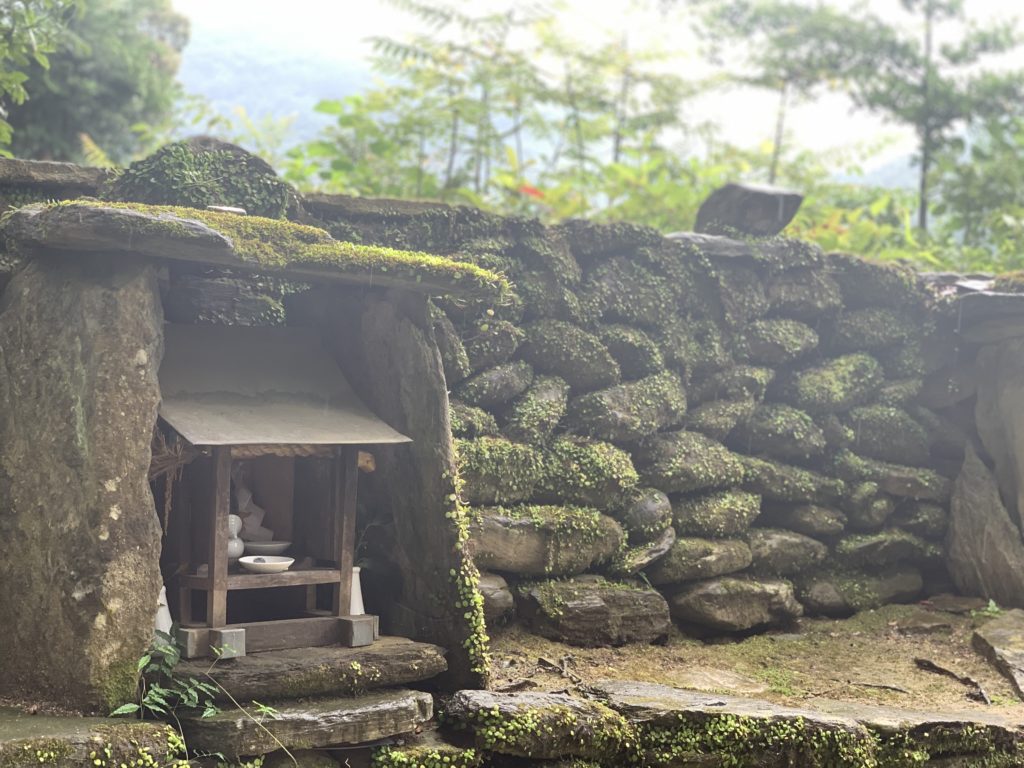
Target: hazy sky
[338, 29]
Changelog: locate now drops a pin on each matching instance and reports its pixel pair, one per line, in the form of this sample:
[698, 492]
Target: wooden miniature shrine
[262, 414]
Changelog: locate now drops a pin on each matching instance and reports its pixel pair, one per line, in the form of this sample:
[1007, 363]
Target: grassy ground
[867, 658]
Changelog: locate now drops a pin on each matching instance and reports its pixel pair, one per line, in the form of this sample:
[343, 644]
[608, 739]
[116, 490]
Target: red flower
[526, 189]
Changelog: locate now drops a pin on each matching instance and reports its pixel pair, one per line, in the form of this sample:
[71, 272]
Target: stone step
[273, 675]
[71, 742]
[309, 724]
[673, 725]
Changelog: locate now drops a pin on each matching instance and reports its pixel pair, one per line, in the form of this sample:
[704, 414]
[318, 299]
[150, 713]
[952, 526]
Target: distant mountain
[231, 71]
[898, 173]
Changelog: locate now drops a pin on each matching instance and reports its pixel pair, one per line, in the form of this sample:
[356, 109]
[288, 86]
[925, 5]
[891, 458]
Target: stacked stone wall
[722, 431]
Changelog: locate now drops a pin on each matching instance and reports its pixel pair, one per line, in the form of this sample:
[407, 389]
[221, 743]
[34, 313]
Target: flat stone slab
[652, 706]
[68, 742]
[311, 723]
[273, 675]
[957, 604]
[541, 726]
[1001, 641]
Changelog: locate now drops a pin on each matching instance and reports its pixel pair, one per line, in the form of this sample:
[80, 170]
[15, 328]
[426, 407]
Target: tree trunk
[780, 128]
[924, 129]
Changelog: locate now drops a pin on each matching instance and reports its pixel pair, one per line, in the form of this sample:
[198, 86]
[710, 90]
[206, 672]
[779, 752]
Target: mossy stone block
[491, 342]
[682, 461]
[840, 592]
[784, 482]
[495, 386]
[866, 283]
[735, 604]
[835, 385]
[741, 294]
[592, 611]
[922, 518]
[870, 329]
[693, 558]
[630, 411]
[718, 418]
[775, 342]
[741, 382]
[646, 513]
[899, 393]
[894, 479]
[537, 540]
[889, 434]
[497, 471]
[804, 294]
[875, 550]
[533, 416]
[625, 290]
[780, 431]
[809, 519]
[695, 345]
[469, 421]
[634, 351]
[716, 515]
[562, 349]
[778, 552]
[586, 472]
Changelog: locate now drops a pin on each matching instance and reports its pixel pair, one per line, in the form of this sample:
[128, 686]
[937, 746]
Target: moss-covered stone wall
[747, 412]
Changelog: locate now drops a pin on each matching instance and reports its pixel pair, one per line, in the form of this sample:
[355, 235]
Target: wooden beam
[217, 561]
[295, 578]
[344, 500]
[308, 632]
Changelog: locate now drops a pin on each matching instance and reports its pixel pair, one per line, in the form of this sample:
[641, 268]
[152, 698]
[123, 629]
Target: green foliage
[113, 68]
[162, 692]
[33, 29]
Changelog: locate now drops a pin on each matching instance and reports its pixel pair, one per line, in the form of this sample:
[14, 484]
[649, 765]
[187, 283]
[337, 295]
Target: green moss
[681, 461]
[496, 386]
[865, 282]
[586, 472]
[468, 421]
[630, 411]
[888, 547]
[551, 253]
[625, 290]
[836, 385]
[717, 515]
[888, 433]
[188, 174]
[741, 382]
[781, 431]
[635, 352]
[497, 471]
[719, 417]
[118, 684]
[871, 328]
[775, 342]
[425, 757]
[284, 245]
[900, 392]
[782, 482]
[533, 416]
[544, 297]
[491, 342]
[695, 345]
[903, 361]
[565, 350]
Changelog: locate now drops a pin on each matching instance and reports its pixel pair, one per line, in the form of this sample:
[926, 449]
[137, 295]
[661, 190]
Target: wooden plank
[345, 490]
[291, 633]
[217, 567]
[296, 578]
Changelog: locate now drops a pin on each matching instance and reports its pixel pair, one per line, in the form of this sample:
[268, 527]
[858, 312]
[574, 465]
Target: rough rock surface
[630, 411]
[498, 600]
[808, 519]
[68, 742]
[782, 553]
[747, 209]
[691, 559]
[875, 550]
[1001, 641]
[779, 431]
[592, 612]
[646, 513]
[838, 593]
[540, 726]
[496, 386]
[687, 461]
[562, 349]
[311, 723]
[497, 471]
[836, 385]
[718, 514]
[542, 540]
[998, 414]
[80, 344]
[533, 416]
[731, 604]
[636, 559]
[985, 555]
[330, 671]
[776, 341]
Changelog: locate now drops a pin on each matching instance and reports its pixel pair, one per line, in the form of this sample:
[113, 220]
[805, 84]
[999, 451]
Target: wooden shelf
[293, 578]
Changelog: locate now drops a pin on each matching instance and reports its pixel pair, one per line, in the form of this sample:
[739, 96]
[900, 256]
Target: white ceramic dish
[266, 547]
[266, 563]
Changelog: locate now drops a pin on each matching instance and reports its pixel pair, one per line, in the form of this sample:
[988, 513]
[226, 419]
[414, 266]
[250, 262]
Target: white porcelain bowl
[266, 547]
[266, 563]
